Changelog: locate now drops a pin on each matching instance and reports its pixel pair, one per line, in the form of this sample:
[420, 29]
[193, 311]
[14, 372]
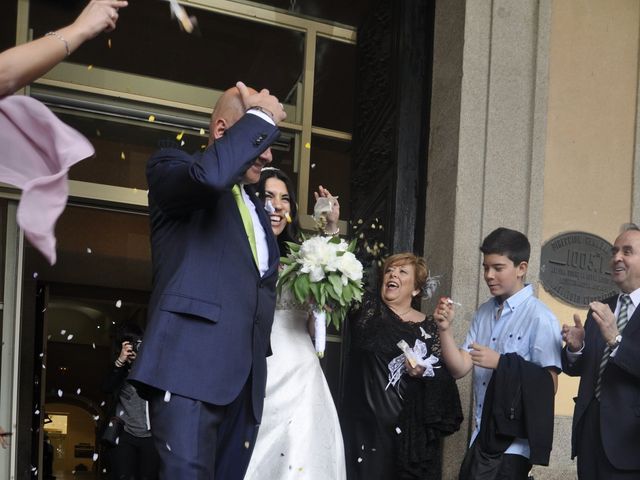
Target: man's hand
[127, 355]
[444, 313]
[263, 99]
[482, 356]
[605, 319]
[573, 335]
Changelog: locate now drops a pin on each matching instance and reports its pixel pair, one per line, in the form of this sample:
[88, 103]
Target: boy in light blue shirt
[512, 321]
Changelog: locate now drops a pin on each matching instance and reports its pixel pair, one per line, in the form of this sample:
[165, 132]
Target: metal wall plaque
[574, 267]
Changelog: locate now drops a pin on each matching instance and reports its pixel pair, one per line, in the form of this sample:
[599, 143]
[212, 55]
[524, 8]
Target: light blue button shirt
[527, 327]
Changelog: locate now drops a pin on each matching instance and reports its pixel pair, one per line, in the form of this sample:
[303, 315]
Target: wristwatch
[616, 342]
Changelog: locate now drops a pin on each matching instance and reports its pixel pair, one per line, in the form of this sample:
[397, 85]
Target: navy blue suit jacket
[620, 394]
[210, 312]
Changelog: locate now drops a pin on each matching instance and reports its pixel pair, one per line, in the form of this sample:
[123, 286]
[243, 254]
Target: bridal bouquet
[324, 272]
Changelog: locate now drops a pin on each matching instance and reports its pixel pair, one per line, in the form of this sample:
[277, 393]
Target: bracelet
[334, 233]
[119, 364]
[61, 38]
[261, 109]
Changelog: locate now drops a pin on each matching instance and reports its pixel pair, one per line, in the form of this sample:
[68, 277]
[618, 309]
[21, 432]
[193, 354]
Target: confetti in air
[63, 332]
[359, 459]
[313, 165]
[307, 145]
[95, 457]
[202, 131]
[167, 396]
[59, 393]
[247, 444]
[152, 118]
[35, 274]
[70, 336]
[37, 412]
[398, 431]
[122, 156]
[109, 43]
[118, 303]
[89, 67]
[179, 136]
[168, 447]
[78, 391]
[187, 23]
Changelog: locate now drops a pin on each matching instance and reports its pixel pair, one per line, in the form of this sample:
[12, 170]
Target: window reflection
[334, 87]
[149, 42]
[331, 168]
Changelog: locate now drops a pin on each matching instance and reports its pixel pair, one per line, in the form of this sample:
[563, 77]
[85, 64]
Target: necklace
[404, 313]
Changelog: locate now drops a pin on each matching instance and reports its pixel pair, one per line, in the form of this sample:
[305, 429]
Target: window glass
[347, 13]
[334, 87]
[8, 24]
[147, 41]
[331, 168]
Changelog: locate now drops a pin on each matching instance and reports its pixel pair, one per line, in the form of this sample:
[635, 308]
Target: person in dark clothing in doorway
[133, 454]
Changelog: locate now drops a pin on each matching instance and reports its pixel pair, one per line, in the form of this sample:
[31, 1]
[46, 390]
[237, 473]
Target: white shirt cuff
[573, 356]
[613, 352]
[262, 115]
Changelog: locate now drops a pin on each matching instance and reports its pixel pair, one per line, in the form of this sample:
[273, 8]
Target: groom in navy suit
[202, 365]
[606, 355]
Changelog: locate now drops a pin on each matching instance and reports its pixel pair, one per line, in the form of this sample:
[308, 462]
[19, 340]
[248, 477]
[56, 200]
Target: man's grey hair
[629, 226]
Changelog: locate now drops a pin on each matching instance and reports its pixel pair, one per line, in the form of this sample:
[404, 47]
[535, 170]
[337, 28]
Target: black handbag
[112, 431]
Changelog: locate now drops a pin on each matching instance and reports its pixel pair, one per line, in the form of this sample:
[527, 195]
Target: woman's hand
[444, 313]
[334, 215]
[415, 372]
[98, 16]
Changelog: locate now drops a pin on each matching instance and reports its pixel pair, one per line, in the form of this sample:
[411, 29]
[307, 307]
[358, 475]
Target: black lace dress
[394, 426]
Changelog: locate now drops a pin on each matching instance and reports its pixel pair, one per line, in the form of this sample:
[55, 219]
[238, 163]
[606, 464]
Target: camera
[136, 345]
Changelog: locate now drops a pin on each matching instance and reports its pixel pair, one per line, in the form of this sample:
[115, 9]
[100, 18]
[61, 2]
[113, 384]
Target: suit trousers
[200, 441]
[593, 463]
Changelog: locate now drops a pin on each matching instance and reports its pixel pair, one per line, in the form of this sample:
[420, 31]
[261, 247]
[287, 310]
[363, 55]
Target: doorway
[73, 312]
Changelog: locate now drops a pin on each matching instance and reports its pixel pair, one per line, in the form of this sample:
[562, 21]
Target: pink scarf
[36, 151]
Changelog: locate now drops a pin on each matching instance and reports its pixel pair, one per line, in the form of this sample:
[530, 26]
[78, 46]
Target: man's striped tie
[622, 321]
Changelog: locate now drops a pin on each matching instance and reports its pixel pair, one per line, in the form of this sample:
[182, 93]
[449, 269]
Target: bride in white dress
[299, 437]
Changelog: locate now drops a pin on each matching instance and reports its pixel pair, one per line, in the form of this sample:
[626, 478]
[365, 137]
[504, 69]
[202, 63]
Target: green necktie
[246, 220]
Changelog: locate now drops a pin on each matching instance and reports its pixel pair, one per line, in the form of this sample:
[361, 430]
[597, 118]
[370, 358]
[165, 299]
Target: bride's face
[275, 191]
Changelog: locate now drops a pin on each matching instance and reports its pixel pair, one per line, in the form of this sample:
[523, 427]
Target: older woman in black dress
[397, 410]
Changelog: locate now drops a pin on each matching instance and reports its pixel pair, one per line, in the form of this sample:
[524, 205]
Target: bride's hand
[334, 215]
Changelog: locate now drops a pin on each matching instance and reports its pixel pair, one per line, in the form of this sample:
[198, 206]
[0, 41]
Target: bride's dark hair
[291, 233]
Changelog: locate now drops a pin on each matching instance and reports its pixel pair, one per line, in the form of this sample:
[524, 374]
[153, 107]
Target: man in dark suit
[606, 355]
[202, 363]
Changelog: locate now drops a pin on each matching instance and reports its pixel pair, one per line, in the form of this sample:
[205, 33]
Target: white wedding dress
[299, 437]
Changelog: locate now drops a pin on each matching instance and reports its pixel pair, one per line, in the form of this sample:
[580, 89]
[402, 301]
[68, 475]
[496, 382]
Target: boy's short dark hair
[510, 243]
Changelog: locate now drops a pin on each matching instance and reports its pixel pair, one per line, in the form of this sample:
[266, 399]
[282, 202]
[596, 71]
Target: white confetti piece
[362, 446]
[247, 445]
[313, 165]
[60, 393]
[96, 417]
[398, 431]
[89, 250]
[117, 440]
[63, 332]
[167, 396]
[93, 345]
[95, 457]
[41, 355]
[103, 403]
[35, 274]
[122, 413]
[37, 412]
[70, 336]
[78, 391]
[168, 447]
[359, 459]
[118, 303]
